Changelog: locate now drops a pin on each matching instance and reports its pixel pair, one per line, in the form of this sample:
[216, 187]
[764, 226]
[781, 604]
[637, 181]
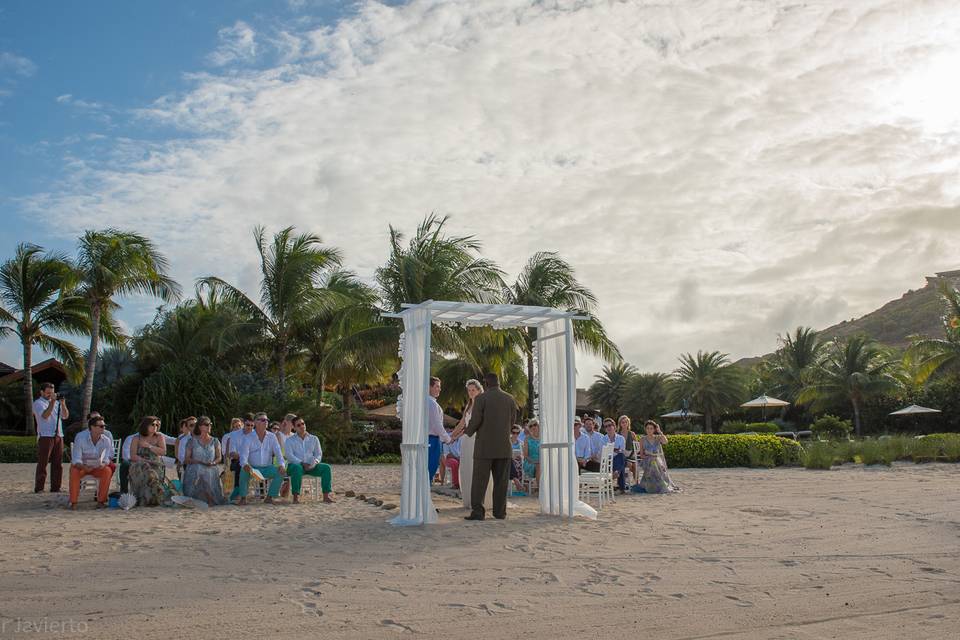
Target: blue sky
[717, 172]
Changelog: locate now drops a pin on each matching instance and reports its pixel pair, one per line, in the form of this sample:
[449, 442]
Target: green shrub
[742, 427]
[818, 455]
[706, 451]
[873, 452]
[383, 458]
[830, 427]
[937, 446]
[18, 449]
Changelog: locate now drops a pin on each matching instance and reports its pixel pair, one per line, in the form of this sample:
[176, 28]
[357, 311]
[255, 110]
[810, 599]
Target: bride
[474, 388]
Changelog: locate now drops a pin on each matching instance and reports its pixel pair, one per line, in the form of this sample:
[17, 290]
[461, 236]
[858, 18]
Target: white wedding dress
[466, 471]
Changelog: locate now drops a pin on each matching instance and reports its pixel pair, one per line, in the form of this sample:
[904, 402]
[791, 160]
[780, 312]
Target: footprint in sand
[392, 590]
[396, 626]
[740, 603]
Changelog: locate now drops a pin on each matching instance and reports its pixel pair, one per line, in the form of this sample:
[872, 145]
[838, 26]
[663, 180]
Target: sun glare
[930, 94]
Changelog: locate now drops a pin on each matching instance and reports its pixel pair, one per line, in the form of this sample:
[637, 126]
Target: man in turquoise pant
[303, 454]
[258, 451]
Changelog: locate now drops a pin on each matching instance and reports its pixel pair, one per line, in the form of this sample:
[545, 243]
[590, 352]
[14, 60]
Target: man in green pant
[303, 454]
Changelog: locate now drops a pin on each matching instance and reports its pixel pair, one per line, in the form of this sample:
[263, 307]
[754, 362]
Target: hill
[914, 313]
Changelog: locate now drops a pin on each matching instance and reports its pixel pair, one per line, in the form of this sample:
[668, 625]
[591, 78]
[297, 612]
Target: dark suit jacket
[494, 414]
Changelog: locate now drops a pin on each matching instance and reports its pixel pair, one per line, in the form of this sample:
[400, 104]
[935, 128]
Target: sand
[785, 553]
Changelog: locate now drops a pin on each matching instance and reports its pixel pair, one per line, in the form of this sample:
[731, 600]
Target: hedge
[18, 449]
[756, 427]
[707, 451]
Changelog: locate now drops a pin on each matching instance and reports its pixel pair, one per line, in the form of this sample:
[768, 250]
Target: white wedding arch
[555, 404]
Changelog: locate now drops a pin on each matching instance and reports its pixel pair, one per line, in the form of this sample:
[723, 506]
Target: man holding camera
[49, 410]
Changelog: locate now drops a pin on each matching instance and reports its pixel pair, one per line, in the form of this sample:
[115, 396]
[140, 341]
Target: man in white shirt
[589, 446]
[303, 453]
[231, 451]
[49, 411]
[619, 453]
[91, 455]
[258, 450]
[437, 434]
[187, 425]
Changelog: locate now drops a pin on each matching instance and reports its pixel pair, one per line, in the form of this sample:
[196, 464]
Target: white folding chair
[599, 483]
[86, 481]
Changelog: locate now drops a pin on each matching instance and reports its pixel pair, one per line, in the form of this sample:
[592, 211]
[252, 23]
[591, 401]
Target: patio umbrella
[913, 410]
[763, 402]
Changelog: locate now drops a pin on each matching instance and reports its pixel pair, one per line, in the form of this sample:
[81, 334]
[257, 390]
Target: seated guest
[112, 463]
[596, 440]
[284, 432]
[451, 460]
[583, 446]
[629, 438]
[531, 451]
[304, 455]
[232, 452]
[201, 475]
[258, 450]
[148, 477]
[516, 459]
[655, 478]
[125, 463]
[186, 432]
[229, 481]
[619, 454]
[91, 454]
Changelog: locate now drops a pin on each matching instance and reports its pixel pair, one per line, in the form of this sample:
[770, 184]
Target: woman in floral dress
[201, 479]
[148, 480]
[656, 478]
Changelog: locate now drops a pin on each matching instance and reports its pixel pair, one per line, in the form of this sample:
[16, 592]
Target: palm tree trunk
[91, 364]
[708, 421]
[856, 417]
[347, 396]
[29, 426]
[282, 371]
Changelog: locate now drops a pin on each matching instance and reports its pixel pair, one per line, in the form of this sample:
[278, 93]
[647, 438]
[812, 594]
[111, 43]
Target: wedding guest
[125, 463]
[284, 432]
[49, 411]
[531, 451]
[148, 478]
[591, 446]
[632, 441]
[109, 436]
[656, 478]
[437, 434]
[304, 455]
[232, 452]
[201, 475]
[581, 444]
[516, 460]
[619, 466]
[186, 432]
[451, 460]
[258, 450]
[91, 453]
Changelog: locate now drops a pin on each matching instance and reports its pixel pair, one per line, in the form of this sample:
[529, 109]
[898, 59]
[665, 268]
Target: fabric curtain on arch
[416, 506]
[556, 403]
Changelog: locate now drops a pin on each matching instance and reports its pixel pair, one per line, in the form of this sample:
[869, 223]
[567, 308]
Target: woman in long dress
[201, 479]
[148, 478]
[474, 388]
[656, 478]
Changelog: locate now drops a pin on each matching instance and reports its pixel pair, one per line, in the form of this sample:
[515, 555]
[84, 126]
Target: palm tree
[853, 371]
[37, 298]
[609, 389]
[645, 395]
[547, 280]
[435, 266]
[345, 340]
[484, 350]
[935, 356]
[798, 352]
[292, 267]
[709, 382]
[112, 263]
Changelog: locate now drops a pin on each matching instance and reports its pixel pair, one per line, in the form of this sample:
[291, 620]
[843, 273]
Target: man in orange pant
[92, 452]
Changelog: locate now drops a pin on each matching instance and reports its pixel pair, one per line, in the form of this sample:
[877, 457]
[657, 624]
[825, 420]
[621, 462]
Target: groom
[494, 413]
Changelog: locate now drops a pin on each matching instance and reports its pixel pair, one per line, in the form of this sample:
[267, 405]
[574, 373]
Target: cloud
[716, 174]
[17, 65]
[236, 44]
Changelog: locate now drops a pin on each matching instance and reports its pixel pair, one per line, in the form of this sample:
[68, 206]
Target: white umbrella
[763, 402]
[679, 413]
[913, 410]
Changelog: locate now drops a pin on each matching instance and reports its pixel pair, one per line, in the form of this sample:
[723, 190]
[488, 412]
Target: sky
[717, 171]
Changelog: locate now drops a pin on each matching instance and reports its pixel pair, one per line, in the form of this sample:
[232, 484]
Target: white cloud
[16, 65]
[236, 44]
[717, 174]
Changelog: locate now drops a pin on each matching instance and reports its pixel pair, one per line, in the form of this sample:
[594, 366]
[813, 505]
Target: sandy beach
[786, 553]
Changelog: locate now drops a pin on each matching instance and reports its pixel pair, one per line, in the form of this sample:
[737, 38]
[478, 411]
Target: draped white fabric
[559, 483]
[416, 506]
